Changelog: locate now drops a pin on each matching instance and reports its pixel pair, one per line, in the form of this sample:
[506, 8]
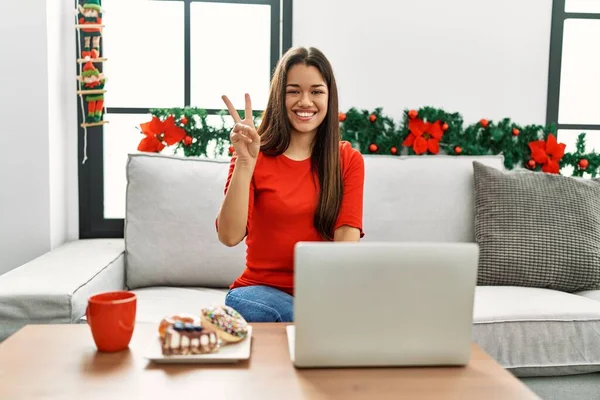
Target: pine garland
[427, 130]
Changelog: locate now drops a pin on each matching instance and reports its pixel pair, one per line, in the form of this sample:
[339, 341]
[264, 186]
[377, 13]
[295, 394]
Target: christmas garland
[424, 131]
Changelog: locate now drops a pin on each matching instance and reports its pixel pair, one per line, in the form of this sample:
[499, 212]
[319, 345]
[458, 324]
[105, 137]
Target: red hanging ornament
[184, 120]
[413, 114]
[231, 150]
[484, 122]
[372, 117]
[341, 117]
[583, 163]
[373, 148]
[516, 132]
[531, 164]
[458, 149]
[445, 126]
[187, 140]
[394, 150]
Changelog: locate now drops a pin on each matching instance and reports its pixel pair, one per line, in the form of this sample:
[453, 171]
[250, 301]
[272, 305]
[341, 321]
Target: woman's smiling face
[306, 98]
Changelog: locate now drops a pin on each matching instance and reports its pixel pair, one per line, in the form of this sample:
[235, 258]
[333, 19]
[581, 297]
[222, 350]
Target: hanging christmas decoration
[88, 23]
[92, 84]
[424, 131]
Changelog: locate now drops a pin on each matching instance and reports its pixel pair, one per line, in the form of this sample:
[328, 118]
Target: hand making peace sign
[244, 138]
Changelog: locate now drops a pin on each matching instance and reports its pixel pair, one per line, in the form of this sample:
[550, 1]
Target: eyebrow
[295, 85]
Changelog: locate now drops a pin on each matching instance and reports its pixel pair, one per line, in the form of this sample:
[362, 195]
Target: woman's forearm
[233, 216]
[346, 234]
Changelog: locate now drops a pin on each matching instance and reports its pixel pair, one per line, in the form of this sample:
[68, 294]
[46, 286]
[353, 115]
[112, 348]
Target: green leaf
[497, 134]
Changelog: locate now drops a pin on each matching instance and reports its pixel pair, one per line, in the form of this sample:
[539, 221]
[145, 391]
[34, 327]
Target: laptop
[383, 304]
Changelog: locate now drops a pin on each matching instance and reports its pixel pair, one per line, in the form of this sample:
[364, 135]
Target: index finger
[232, 111]
[248, 107]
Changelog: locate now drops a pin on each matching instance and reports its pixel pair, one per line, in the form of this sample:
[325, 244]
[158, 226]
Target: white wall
[25, 193]
[62, 121]
[479, 58]
[38, 167]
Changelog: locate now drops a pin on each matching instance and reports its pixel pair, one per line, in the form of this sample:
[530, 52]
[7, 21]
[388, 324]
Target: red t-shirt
[283, 200]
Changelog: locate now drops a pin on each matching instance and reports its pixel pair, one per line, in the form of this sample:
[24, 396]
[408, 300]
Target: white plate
[229, 353]
[291, 335]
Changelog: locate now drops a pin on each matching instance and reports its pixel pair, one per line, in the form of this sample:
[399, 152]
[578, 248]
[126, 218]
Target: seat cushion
[538, 332]
[590, 294]
[155, 303]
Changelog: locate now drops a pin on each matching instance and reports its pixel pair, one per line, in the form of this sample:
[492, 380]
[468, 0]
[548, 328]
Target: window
[171, 53]
[574, 81]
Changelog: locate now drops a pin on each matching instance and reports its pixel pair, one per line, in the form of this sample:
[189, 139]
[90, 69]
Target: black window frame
[92, 223]
[559, 16]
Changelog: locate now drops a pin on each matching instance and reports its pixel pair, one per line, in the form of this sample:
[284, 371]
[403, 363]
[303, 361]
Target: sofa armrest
[54, 288]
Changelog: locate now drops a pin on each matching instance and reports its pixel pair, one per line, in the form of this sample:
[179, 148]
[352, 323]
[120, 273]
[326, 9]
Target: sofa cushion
[566, 387]
[170, 234]
[590, 294]
[153, 304]
[421, 198]
[538, 332]
[536, 229]
[170, 231]
[54, 288]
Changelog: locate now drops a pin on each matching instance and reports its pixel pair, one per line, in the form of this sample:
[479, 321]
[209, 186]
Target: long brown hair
[275, 130]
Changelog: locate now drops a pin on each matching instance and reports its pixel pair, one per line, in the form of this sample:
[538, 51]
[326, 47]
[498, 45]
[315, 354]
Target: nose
[305, 100]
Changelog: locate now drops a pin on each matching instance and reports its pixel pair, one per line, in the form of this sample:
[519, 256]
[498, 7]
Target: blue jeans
[261, 304]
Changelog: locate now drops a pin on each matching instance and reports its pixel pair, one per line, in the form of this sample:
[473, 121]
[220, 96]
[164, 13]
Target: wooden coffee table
[61, 362]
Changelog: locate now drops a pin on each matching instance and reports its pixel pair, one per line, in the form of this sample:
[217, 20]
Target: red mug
[111, 317]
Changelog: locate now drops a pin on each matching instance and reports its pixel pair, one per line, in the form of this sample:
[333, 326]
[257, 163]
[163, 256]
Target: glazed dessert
[184, 339]
[229, 324]
[168, 322]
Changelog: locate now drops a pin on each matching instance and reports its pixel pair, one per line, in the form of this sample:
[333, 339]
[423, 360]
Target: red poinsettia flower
[151, 144]
[424, 136]
[548, 153]
[160, 132]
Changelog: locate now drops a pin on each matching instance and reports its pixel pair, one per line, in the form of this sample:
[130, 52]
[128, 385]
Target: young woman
[291, 180]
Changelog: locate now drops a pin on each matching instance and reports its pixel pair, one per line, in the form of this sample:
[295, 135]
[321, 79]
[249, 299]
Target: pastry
[189, 339]
[167, 322]
[229, 324]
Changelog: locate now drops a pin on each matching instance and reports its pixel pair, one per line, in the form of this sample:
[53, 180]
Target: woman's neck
[301, 144]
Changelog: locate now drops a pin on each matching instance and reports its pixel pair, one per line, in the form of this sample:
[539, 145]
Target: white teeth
[305, 114]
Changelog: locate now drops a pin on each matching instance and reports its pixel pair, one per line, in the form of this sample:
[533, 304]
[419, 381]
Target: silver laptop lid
[384, 304]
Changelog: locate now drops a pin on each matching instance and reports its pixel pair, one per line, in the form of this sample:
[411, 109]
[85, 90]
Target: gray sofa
[172, 259]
